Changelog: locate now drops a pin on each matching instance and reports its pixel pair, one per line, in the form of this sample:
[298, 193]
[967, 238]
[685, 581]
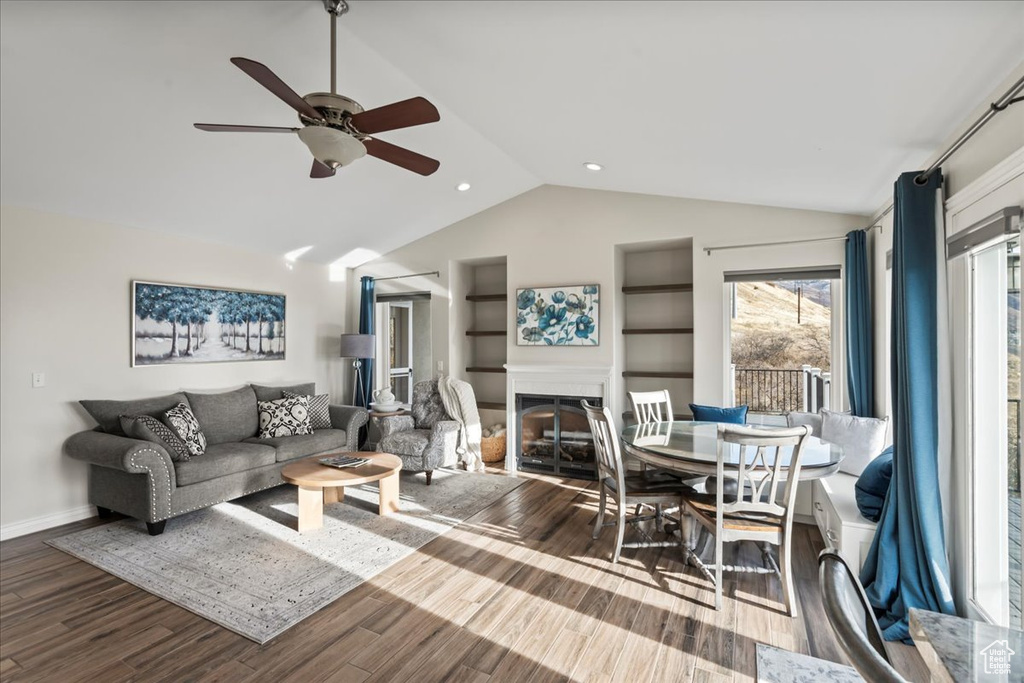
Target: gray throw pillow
[148, 428]
[319, 409]
[284, 417]
[185, 424]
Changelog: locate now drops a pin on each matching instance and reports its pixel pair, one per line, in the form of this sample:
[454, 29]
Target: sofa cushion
[108, 413]
[284, 417]
[292, 447]
[701, 413]
[319, 409]
[427, 406]
[265, 393]
[223, 459]
[411, 442]
[184, 423]
[812, 420]
[151, 429]
[227, 416]
[862, 438]
[873, 485]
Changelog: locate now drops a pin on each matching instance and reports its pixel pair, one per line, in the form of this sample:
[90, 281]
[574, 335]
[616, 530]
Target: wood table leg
[311, 508]
[388, 495]
[334, 494]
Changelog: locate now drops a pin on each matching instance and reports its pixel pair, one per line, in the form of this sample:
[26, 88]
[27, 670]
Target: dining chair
[753, 511]
[853, 619]
[626, 489]
[651, 406]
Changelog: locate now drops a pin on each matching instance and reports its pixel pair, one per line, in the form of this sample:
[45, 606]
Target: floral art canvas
[558, 316]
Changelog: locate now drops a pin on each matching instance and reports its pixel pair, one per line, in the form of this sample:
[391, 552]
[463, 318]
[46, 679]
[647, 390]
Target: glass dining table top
[696, 444]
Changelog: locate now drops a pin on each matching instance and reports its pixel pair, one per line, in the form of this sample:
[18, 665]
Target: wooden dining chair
[754, 511]
[626, 489]
[651, 406]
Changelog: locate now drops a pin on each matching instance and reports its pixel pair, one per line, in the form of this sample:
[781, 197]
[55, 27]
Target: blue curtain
[860, 367]
[906, 566]
[364, 393]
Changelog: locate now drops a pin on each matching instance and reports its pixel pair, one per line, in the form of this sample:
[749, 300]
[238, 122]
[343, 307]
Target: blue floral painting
[558, 316]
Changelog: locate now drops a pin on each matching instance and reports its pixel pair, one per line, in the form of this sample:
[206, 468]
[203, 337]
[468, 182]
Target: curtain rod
[1011, 96]
[726, 247]
[399, 277]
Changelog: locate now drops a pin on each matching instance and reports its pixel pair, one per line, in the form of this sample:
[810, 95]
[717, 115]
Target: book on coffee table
[343, 461]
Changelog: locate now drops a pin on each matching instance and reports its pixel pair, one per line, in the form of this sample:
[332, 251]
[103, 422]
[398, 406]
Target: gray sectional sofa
[138, 478]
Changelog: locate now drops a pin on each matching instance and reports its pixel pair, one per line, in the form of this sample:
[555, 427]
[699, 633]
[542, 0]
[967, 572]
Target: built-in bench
[842, 526]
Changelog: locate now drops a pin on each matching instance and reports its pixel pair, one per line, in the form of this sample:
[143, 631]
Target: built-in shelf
[683, 417]
[485, 368]
[486, 333]
[653, 289]
[663, 375]
[487, 405]
[658, 330]
[486, 297]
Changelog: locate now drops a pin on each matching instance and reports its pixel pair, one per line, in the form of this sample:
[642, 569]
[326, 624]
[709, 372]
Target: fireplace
[553, 435]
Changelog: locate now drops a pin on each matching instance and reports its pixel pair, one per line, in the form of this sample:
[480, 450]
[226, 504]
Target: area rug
[243, 565]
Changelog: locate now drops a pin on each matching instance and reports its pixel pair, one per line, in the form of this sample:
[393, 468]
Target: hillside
[766, 333]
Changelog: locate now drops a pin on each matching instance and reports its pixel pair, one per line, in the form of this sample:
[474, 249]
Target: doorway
[403, 343]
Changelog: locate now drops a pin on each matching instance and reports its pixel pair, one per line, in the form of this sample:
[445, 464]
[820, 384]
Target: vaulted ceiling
[798, 104]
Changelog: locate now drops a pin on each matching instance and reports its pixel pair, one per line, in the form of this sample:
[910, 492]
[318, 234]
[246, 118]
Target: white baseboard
[804, 519]
[44, 522]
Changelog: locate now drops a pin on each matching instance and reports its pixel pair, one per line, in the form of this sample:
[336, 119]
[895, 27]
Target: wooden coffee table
[319, 484]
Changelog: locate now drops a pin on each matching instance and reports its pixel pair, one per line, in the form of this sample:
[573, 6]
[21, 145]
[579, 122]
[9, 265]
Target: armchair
[425, 440]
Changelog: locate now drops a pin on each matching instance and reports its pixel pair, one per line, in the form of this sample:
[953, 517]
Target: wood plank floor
[519, 592]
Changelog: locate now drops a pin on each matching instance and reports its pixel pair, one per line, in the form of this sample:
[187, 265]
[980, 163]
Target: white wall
[65, 310]
[560, 235]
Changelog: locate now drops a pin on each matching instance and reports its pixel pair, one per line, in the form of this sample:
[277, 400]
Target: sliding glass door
[997, 554]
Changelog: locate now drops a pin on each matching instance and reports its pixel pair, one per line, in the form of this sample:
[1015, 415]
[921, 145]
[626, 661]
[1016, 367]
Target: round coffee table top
[310, 473]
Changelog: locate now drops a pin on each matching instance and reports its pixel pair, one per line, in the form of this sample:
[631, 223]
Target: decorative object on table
[241, 565]
[854, 623]
[342, 461]
[873, 485]
[319, 409]
[425, 440]
[558, 316]
[358, 347]
[182, 324]
[701, 413]
[284, 417]
[384, 401]
[753, 511]
[862, 438]
[493, 440]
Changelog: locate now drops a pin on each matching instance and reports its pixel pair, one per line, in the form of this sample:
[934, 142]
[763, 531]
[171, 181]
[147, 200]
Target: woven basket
[493, 448]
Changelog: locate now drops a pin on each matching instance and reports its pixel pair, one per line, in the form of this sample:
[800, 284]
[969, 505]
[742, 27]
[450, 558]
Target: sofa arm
[133, 456]
[442, 450]
[349, 418]
[393, 424]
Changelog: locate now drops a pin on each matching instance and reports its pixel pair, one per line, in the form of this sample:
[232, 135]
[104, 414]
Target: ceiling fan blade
[269, 80]
[221, 128]
[413, 112]
[320, 170]
[399, 156]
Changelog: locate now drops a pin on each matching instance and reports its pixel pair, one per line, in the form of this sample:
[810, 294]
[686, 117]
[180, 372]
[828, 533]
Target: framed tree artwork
[558, 316]
[174, 324]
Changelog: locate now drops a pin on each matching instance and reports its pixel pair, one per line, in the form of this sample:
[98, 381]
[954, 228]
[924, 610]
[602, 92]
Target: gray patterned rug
[244, 566]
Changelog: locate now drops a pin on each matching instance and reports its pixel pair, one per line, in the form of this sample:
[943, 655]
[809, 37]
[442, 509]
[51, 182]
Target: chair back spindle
[651, 406]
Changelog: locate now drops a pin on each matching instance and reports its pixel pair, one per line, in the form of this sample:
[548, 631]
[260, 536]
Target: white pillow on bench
[862, 438]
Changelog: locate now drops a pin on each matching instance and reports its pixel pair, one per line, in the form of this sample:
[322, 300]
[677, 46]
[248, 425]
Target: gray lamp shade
[357, 345]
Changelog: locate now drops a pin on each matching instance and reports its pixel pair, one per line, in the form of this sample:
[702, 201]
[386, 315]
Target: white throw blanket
[460, 404]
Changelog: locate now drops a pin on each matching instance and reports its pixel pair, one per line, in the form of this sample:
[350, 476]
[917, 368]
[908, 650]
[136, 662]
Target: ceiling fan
[336, 128]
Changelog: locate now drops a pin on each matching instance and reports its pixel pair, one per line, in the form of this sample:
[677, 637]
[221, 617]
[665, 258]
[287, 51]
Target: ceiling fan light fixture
[332, 147]
[592, 166]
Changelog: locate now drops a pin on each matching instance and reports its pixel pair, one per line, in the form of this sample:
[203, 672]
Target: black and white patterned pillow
[319, 410]
[148, 428]
[186, 426]
[284, 417]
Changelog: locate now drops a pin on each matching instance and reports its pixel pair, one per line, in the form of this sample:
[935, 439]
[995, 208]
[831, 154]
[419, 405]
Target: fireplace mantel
[553, 379]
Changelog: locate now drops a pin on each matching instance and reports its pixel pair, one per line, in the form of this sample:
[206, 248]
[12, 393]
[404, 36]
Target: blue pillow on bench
[737, 415]
[873, 484]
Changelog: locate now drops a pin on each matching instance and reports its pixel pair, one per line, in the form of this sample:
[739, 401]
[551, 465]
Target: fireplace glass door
[554, 436]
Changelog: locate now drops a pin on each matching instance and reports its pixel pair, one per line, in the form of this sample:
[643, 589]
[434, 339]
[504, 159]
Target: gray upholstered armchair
[425, 440]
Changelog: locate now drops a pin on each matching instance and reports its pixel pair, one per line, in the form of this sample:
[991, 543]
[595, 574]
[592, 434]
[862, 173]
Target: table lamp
[357, 347]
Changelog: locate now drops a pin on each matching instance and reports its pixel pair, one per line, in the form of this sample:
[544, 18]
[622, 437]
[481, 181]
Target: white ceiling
[810, 105]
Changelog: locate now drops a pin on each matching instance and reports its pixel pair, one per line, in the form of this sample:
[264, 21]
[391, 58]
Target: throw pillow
[284, 417]
[873, 484]
[737, 415]
[186, 426]
[150, 429]
[319, 409]
[862, 438]
[812, 420]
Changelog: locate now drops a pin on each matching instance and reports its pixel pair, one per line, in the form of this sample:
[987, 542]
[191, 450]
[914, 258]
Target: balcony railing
[780, 391]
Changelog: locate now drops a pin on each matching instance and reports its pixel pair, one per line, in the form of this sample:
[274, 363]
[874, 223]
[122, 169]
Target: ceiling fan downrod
[335, 8]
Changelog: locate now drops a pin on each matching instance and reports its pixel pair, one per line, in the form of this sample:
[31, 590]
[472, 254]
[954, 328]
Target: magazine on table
[341, 461]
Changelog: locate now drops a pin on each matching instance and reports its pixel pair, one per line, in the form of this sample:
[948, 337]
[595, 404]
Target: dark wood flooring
[519, 592]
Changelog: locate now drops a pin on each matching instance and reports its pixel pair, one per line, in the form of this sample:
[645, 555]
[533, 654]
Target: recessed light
[462, 187]
[591, 166]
